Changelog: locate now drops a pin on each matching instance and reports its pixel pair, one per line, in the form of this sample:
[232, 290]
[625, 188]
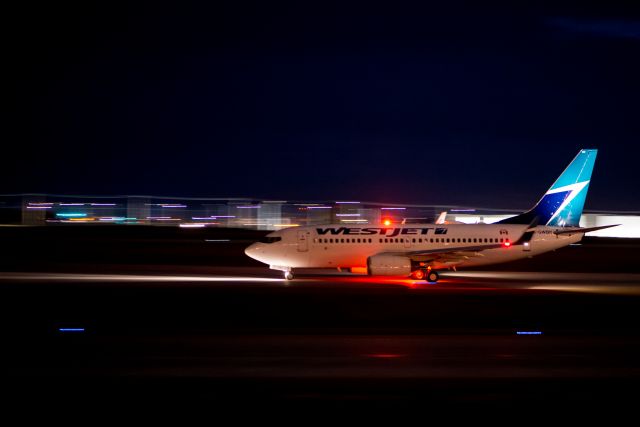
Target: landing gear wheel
[418, 274]
[432, 277]
[288, 275]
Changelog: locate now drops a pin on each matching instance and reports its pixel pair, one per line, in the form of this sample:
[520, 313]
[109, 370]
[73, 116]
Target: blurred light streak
[529, 332]
[71, 329]
[173, 206]
[71, 215]
[352, 214]
[607, 289]
[393, 209]
[347, 203]
[286, 225]
[39, 207]
[71, 204]
[385, 355]
[319, 207]
[103, 204]
[354, 220]
[217, 240]
[249, 207]
[193, 225]
[129, 278]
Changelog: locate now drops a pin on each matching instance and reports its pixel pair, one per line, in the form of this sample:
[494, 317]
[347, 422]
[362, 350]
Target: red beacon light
[387, 222]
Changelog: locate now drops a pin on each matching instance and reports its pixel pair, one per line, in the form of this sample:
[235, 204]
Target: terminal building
[45, 209]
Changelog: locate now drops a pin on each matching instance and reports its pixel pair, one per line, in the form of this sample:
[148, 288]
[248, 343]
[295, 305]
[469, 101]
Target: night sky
[391, 102]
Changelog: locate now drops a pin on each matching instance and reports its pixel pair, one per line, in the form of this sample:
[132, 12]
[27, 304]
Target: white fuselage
[335, 245]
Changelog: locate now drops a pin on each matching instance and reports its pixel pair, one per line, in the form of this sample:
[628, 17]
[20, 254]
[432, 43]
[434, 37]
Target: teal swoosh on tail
[562, 204]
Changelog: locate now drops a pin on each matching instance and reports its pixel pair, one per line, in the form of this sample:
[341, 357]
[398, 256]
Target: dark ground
[316, 343]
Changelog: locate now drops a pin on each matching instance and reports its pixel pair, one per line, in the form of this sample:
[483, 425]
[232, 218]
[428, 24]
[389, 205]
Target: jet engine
[388, 265]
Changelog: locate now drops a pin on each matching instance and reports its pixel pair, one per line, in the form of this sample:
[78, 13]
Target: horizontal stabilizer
[584, 230]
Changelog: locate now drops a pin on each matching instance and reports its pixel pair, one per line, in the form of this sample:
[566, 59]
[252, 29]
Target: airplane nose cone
[253, 251]
[249, 250]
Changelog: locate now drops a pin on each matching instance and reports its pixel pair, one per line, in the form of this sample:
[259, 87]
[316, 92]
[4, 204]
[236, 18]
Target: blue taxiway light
[71, 329]
[529, 332]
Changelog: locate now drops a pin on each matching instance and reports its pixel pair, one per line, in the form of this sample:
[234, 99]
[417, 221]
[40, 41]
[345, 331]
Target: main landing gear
[422, 273]
[288, 275]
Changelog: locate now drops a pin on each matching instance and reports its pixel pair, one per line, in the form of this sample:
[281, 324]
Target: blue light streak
[529, 332]
[72, 215]
[70, 329]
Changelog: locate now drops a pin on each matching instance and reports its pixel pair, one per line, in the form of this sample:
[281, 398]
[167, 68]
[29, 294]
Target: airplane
[419, 251]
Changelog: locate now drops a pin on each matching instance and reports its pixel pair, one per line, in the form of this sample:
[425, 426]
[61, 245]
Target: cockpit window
[270, 239]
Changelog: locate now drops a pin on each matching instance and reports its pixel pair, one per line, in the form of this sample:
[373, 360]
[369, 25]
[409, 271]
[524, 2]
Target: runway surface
[494, 281]
[226, 335]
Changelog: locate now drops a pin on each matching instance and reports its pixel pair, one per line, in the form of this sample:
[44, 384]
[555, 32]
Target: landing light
[507, 244]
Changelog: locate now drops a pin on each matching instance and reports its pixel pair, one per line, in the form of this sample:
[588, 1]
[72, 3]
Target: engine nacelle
[388, 265]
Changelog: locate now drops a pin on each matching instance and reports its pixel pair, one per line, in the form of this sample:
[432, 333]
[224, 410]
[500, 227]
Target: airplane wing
[583, 230]
[454, 255]
[450, 255]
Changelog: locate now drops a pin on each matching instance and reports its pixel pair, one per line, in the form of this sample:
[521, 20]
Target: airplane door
[303, 241]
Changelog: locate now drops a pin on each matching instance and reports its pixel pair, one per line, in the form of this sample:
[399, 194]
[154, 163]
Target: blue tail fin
[562, 204]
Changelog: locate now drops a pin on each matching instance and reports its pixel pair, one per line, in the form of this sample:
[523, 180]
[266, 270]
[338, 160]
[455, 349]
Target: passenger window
[431, 241]
[396, 240]
[369, 240]
[501, 240]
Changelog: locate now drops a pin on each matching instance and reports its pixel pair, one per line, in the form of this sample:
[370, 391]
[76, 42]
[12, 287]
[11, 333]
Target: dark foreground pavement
[237, 336]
